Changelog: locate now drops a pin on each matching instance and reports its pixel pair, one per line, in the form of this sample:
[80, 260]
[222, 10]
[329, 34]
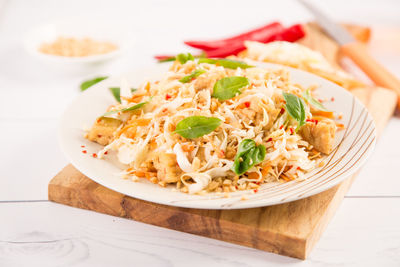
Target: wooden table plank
[82, 238]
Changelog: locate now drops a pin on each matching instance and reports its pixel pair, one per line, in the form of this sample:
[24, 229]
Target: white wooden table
[34, 232]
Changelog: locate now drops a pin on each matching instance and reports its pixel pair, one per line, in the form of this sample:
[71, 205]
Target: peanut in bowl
[76, 42]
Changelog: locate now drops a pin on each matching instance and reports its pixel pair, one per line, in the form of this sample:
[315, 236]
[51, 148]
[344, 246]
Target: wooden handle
[375, 71]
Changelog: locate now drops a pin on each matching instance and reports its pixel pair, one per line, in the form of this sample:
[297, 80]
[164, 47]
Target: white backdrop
[365, 231]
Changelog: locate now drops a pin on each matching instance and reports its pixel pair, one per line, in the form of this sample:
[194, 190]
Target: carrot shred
[286, 178]
[140, 173]
[340, 126]
[265, 169]
[252, 175]
[187, 147]
[326, 114]
[142, 122]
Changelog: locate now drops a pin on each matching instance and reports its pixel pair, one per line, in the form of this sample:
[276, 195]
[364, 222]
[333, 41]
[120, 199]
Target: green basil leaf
[168, 59]
[312, 101]
[116, 92]
[191, 57]
[196, 126]
[207, 60]
[86, 84]
[226, 63]
[137, 106]
[183, 58]
[296, 108]
[248, 155]
[192, 76]
[229, 87]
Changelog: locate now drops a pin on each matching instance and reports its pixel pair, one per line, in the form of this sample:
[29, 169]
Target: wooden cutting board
[290, 229]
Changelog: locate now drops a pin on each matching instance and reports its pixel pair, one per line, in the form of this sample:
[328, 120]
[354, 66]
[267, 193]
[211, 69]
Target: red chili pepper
[281, 127]
[247, 104]
[84, 151]
[94, 155]
[291, 131]
[105, 153]
[282, 111]
[234, 45]
[221, 52]
[164, 57]
[290, 34]
[255, 190]
[269, 139]
[167, 96]
[253, 35]
[312, 120]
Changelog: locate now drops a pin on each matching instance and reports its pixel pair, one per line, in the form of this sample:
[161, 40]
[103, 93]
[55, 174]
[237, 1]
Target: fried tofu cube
[103, 130]
[167, 167]
[321, 135]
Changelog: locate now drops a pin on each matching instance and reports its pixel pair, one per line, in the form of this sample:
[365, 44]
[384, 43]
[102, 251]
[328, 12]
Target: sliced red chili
[290, 34]
[252, 35]
[312, 120]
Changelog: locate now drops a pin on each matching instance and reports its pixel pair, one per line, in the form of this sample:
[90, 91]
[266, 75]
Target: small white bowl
[95, 29]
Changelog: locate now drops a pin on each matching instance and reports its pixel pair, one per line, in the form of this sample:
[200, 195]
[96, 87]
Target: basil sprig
[137, 106]
[86, 84]
[192, 76]
[229, 87]
[173, 58]
[226, 63]
[183, 58]
[196, 126]
[248, 155]
[295, 106]
[312, 101]
[116, 92]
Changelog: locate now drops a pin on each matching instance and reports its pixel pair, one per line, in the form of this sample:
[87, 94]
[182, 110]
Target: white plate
[352, 147]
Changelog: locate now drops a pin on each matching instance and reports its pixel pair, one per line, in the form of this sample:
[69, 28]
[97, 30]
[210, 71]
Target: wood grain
[290, 229]
[316, 40]
[358, 52]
